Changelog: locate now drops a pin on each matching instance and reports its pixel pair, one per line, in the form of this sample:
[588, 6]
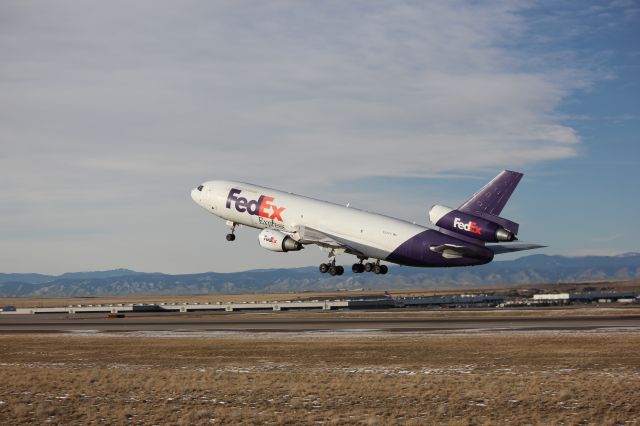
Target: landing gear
[357, 268]
[376, 268]
[336, 270]
[380, 269]
[331, 268]
[231, 236]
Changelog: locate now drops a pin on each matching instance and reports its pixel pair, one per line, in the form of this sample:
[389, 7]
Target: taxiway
[275, 322]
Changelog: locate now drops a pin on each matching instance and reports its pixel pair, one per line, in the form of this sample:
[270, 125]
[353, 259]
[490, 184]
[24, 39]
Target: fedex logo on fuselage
[261, 207]
[470, 226]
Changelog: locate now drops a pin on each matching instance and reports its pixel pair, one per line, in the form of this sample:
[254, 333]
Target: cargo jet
[289, 222]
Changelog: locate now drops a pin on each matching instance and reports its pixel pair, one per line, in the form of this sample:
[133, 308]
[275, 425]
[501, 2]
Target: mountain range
[535, 269]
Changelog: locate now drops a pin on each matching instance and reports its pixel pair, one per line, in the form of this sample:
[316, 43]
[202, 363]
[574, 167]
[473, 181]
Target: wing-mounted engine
[277, 241]
[484, 227]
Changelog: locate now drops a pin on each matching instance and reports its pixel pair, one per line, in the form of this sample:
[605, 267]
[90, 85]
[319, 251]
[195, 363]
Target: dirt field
[324, 378]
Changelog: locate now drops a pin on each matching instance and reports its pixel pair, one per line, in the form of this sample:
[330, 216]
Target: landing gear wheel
[384, 269]
[368, 267]
[339, 270]
[357, 268]
[231, 235]
[324, 268]
[377, 269]
[333, 270]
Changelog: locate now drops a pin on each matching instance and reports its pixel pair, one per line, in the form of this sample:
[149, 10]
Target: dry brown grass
[510, 378]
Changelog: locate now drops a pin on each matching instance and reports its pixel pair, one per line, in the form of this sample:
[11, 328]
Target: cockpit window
[200, 188]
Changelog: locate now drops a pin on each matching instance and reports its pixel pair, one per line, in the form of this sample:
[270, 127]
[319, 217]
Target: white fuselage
[373, 235]
[289, 222]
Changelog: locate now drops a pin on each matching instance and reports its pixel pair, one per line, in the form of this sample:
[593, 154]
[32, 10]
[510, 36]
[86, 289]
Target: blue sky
[112, 111]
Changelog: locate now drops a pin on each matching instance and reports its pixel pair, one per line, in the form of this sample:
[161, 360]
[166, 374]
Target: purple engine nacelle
[469, 225]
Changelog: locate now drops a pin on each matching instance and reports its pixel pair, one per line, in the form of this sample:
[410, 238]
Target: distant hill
[26, 278]
[525, 270]
[99, 274]
[39, 278]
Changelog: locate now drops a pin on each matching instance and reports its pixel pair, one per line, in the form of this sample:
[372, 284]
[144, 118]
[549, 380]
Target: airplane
[469, 235]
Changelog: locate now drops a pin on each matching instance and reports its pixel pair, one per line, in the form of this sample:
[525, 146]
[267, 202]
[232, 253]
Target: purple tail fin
[492, 198]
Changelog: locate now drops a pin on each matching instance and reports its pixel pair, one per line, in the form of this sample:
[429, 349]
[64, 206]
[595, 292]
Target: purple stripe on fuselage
[416, 251]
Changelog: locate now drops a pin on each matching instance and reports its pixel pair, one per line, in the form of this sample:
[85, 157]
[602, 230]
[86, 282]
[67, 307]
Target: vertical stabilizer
[492, 198]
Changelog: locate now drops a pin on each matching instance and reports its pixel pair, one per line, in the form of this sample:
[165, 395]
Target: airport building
[586, 297]
[431, 302]
[454, 301]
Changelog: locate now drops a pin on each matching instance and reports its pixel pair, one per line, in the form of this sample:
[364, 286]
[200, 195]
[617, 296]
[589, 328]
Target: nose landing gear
[231, 236]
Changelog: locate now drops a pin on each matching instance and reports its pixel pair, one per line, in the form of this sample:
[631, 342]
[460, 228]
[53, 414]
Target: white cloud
[123, 106]
[400, 88]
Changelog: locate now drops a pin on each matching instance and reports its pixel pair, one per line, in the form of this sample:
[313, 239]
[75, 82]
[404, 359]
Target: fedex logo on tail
[470, 226]
[261, 207]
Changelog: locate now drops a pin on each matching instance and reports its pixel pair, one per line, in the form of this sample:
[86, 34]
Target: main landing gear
[357, 268]
[331, 268]
[231, 236]
[376, 268]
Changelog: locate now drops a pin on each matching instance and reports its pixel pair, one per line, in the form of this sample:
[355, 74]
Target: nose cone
[196, 195]
[203, 196]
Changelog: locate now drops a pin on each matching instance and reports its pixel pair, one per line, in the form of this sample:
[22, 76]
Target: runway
[274, 322]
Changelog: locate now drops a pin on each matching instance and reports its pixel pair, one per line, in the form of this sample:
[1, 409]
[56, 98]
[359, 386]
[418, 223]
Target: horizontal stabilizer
[451, 251]
[510, 248]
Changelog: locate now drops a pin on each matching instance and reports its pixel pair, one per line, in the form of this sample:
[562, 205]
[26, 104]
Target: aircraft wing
[510, 248]
[306, 235]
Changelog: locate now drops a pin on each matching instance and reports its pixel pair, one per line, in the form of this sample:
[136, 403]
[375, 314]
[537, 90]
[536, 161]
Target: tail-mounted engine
[277, 241]
[473, 226]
